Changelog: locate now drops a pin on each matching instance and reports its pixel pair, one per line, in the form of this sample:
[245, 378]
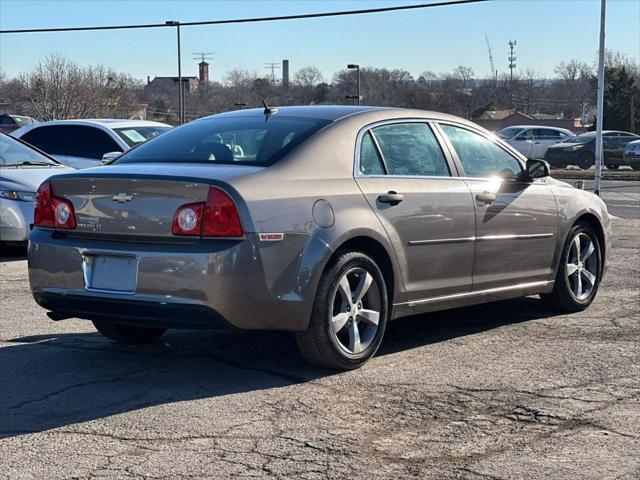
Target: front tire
[349, 314]
[128, 334]
[579, 273]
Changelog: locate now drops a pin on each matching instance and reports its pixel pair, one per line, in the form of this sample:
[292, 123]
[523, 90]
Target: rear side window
[411, 149]
[72, 141]
[54, 139]
[479, 156]
[259, 141]
[370, 161]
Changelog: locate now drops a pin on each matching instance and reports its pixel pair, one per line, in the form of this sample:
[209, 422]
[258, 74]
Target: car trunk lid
[137, 201]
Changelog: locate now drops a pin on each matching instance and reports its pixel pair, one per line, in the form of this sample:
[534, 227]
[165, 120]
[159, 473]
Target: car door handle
[391, 197]
[486, 197]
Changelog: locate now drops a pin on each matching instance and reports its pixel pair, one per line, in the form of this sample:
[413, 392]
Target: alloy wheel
[582, 266]
[356, 311]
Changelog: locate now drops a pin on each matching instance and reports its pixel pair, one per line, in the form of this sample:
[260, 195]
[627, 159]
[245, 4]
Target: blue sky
[438, 39]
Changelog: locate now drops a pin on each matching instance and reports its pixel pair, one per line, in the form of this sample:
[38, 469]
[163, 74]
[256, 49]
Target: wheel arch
[381, 254]
[594, 222]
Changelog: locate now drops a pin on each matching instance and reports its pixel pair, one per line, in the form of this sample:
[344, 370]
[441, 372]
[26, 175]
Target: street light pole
[600, 100]
[357, 69]
[180, 86]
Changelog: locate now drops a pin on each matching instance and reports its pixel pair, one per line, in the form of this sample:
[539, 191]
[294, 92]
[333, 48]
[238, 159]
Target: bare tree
[61, 89]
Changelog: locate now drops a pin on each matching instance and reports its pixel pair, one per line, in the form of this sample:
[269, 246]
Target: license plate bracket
[110, 273]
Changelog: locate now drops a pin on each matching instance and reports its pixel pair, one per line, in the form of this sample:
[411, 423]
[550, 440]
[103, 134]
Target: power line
[251, 19]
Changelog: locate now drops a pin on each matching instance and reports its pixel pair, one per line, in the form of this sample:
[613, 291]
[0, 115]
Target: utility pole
[272, 66]
[180, 86]
[600, 100]
[512, 58]
[356, 99]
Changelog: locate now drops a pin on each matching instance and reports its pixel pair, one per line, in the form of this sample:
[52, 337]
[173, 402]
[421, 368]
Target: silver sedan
[22, 170]
[324, 221]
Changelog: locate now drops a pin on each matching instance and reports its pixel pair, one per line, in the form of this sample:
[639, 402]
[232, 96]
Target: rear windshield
[259, 141]
[136, 135]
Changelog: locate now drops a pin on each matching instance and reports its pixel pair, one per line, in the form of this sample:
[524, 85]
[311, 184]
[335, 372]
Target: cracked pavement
[500, 391]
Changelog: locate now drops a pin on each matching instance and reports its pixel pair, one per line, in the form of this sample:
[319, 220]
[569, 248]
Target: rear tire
[586, 160]
[128, 334]
[349, 314]
[579, 272]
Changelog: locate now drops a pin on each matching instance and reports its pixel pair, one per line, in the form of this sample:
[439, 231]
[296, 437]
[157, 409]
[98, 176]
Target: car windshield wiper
[30, 162]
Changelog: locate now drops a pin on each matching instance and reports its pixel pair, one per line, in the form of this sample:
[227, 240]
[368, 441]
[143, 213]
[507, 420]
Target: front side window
[91, 142]
[259, 141]
[410, 149]
[479, 156]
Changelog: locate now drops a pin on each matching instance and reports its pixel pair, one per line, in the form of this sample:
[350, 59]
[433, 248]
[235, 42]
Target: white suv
[533, 141]
[84, 143]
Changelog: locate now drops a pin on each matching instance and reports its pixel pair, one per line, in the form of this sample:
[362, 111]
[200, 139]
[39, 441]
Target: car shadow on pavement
[12, 253]
[50, 381]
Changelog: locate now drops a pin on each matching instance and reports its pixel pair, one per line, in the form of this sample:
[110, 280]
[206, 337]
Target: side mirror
[537, 169]
[110, 157]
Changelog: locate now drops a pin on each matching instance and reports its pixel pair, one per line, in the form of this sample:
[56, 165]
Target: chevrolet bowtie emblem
[122, 198]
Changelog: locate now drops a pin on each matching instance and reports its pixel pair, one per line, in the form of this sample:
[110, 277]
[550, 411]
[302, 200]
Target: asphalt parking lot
[500, 391]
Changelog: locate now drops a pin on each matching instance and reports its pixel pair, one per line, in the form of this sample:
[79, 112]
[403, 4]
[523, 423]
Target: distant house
[495, 120]
[165, 83]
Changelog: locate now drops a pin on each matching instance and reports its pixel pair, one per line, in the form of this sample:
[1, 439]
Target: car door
[543, 138]
[523, 141]
[425, 208]
[516, 220]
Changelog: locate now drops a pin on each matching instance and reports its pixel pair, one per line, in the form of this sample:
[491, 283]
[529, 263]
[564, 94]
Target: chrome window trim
[430, 124]
[484, 238]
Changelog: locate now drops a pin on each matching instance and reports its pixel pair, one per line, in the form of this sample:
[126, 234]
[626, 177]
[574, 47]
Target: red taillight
[217, 217]
[188, 219]
[43, 213]
[220, 216]
[52, 211]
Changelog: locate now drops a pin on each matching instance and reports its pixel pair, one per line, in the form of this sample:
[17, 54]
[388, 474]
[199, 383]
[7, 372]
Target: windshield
[506, 133]
[13, 153]
[136, 135]
[22, 120]
[259, 141]
[584, 138]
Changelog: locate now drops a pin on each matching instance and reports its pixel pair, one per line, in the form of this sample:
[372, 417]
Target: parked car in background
[9, 123]
[327, 221]
[533, 140]
[85, 143]
[22, 170]
[580, 150]
[631, 155]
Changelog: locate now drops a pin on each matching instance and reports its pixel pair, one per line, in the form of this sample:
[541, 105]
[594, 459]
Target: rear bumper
[64, 304]
[244, 283]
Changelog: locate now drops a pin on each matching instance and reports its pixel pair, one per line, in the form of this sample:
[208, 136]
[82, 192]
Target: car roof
[104, 122]
[538, 126]
[338, 112]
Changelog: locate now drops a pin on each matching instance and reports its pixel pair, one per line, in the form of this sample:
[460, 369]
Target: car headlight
[20, 196]
[574, 148]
